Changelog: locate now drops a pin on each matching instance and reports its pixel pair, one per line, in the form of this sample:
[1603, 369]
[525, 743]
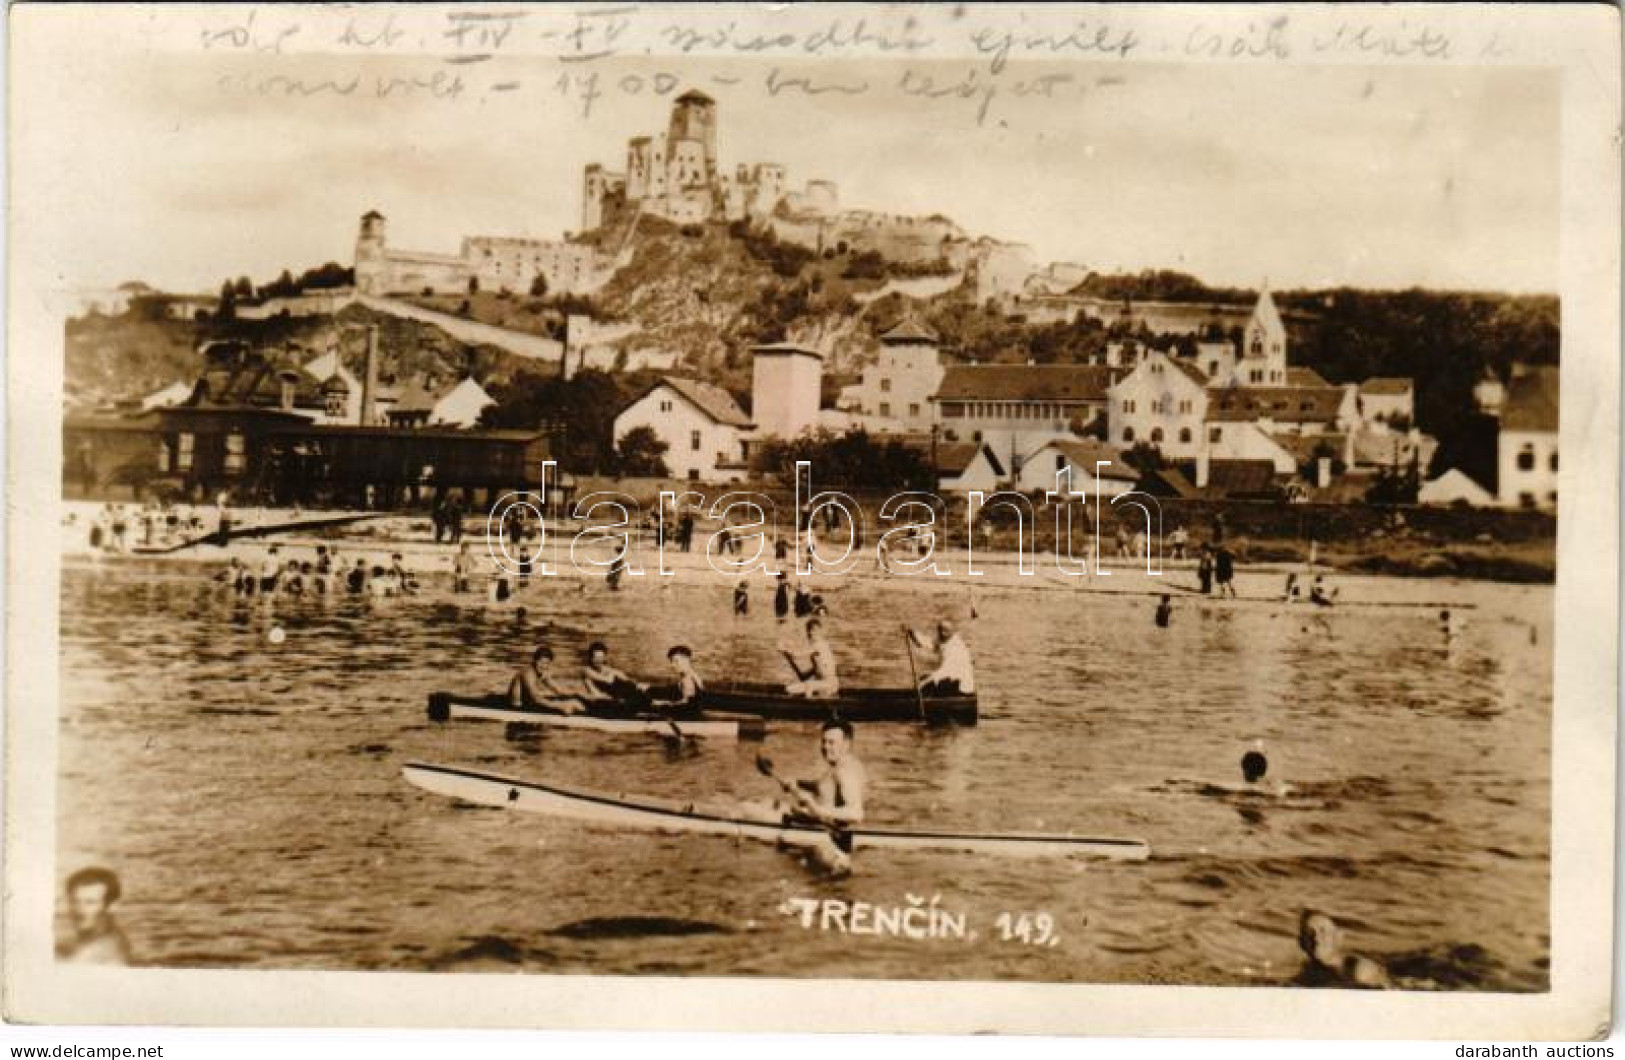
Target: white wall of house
[898, 387]
[1159, 404]
[461, 405]
[1039, 468]
[1374, 407]
[696, 443]
[979, 474]
[785, 391]
[1528, 469]
[1247, 441]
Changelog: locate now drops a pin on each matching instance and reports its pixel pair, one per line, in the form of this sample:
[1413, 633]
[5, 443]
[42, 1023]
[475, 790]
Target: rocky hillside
[123, 358]
[710, 292]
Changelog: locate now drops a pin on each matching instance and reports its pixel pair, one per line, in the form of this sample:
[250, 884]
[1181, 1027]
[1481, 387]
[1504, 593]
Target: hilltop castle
[676, 176]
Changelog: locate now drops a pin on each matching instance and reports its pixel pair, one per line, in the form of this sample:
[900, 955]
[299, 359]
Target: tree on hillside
[243, 288]
[641, 454]
[538, 285]
[228, 302]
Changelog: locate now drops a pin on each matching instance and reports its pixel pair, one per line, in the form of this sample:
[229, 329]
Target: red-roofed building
[1019, 405]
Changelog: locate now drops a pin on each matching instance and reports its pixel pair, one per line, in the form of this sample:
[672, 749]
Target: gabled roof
[1027, 382]
[419, 396]
[1532, 401]
[1299, 376]
[255, 381]
[1240, 477]
[1265, 313]
[1304, 447]
[772, 348]
[1284, 404]
[1084, 452]
[1387, 385]
[709, 398]
[909, 330]
[954, 457]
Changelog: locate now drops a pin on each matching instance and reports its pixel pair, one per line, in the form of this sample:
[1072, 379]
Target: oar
[914, 671]
[838, 835]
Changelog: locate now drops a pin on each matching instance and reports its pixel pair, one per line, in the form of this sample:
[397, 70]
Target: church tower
[1263, 346]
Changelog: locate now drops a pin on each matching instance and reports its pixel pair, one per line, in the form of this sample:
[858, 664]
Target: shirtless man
[535, 686]
[97, 938]
[833, 798]
[603, 681]
[818, 679]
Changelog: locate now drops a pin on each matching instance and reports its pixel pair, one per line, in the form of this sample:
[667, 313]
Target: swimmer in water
[1165, 612]
[1327, 965]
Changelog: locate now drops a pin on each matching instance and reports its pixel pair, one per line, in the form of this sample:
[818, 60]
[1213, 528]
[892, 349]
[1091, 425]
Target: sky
[1295, 175]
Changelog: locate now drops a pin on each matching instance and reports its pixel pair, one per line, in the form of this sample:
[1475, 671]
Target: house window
[1306, 406]
[1156, 366]
[885, 408]
[1213, 368]
[1128, 408]
[1526, 458]
[914, 410]
[236, 453]
[694, 440]
[1526, 500]
[1215, 434]
[1185, 407]
[1185, 435]
[1255, 376]
[1128, 434]
[335, 404]
[1156, 435]
[885, 386]
[1060, 461]
[665, 406]
[185, 444]
[1554, 460]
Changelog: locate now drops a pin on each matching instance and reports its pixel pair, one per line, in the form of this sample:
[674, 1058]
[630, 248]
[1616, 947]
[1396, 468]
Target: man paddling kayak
[955, 674]
[832, 798]
[535, 687]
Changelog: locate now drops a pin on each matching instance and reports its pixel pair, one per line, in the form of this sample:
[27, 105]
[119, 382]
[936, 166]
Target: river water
[250, 792]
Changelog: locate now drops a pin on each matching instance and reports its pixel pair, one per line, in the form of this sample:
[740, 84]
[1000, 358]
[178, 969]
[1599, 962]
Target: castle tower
[371, 267]
[694, 118]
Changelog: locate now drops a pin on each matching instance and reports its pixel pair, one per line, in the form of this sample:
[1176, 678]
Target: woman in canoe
[536, 688]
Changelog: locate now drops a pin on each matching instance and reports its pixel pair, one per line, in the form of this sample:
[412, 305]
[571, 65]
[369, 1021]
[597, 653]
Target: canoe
[853, 704]
[664, 815]
[444, 706]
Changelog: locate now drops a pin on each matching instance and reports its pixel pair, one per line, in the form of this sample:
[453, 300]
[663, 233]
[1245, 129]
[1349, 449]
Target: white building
[1262, 361]
[1452, 487]
[1386, 399]
[427, 403]
[1527, 446]
[1039, 468]
[701, 424]
[786, 381]
[1163, 402]
[894, 393]
[1017, 407]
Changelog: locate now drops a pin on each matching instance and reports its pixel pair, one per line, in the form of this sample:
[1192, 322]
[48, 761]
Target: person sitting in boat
[603, 681]
[536, 687]
[1327, 965]
[835, 795]
[818, 679]
[955, 675]
[684, 691]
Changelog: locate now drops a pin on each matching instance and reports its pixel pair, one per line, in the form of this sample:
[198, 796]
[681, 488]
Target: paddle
[914, 671]
[837, 834]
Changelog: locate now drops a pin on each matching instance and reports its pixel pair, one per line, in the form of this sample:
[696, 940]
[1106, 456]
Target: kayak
[444, 706]
[852, 704]
[664, 815]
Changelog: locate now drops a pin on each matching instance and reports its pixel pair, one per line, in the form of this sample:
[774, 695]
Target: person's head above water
[1319, 937]
[1253, 766]
[597, 652]
[91, 894]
